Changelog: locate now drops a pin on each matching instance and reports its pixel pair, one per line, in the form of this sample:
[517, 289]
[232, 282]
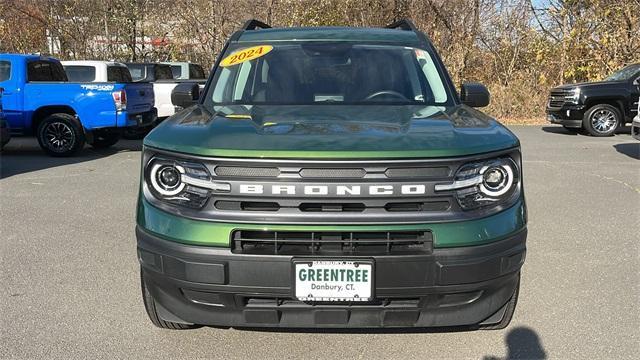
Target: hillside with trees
[518, 48]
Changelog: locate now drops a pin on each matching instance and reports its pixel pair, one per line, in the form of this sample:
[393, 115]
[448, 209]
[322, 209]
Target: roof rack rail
[403, 24]
[254, 24]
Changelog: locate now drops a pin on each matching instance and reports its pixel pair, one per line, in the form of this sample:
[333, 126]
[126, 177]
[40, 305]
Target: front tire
[602, 120]
[150, 306]
[61, 135]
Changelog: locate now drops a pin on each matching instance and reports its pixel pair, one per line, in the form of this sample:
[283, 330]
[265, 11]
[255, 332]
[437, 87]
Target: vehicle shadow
[522, 343]
[23, 155]
[632, 150]
[559, 130]
[562, 131]
[450, 329]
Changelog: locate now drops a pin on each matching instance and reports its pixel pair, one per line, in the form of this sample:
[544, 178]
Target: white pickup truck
[96, 71]
[187, 71]
[161, 77]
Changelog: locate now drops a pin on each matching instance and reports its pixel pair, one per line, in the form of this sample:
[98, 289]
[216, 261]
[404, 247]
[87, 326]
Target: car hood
[331, 131]
[584, 85]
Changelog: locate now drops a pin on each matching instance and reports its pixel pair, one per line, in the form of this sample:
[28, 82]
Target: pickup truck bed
[139, 96]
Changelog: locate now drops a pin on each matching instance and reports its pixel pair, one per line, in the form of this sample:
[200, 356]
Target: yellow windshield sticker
[247, 54]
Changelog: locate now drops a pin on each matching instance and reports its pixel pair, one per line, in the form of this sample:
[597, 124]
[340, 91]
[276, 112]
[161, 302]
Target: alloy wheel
[604, 121]
[59, 137]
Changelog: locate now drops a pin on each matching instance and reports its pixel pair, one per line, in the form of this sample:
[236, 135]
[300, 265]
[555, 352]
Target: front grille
[412, 206]
[332, 207]
[319, 172]
[247, 205]
[418, 206]
[332, 173]
[332, 242]
[557, 98]
[244, 172]
[418, 172]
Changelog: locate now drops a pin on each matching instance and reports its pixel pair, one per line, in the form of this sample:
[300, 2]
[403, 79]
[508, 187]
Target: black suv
[600, 107]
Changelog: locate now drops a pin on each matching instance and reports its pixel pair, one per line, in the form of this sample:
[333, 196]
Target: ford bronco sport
[331, 177]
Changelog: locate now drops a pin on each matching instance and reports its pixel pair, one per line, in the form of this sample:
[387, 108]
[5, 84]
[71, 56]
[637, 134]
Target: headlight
[166, 179]
[484, 183]
[181, 182]
[573, 97]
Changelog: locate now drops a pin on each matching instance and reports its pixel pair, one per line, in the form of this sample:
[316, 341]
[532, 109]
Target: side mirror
[474, 95]
[185, 95]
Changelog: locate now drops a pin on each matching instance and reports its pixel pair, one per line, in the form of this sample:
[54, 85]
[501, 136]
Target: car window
[430, 72]
[138, 71]
[80, 73]
[44, 70]
[163, 72]
[5, 70]
[196, 72]
[328, 73]
[626, 73]
[119, 74]
[176, 70]
[125, 74]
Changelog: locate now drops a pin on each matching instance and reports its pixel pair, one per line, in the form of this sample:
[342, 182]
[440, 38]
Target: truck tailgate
[140, 97]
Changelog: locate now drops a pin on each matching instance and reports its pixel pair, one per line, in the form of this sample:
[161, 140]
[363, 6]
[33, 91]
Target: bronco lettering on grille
[338, 190]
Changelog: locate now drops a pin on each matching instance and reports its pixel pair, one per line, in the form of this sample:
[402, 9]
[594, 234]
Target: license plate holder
[331, 280]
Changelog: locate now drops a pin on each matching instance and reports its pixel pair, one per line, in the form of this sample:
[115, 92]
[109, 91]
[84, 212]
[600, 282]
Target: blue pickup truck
[39, 100]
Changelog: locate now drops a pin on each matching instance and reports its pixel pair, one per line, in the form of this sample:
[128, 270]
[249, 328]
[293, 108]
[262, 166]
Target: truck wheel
[508, 314]
[104, 139]
[602, 120]
[61, 135]
[150, 306]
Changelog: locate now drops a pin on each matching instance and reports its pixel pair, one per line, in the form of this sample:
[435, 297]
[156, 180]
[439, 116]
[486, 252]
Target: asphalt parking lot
[70, 285]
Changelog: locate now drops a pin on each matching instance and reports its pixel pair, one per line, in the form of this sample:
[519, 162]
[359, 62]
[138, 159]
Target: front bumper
[213, 286]
[568, 115]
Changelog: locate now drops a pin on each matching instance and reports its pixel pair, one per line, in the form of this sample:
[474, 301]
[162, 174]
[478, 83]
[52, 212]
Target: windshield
[176, 70]
[119, 74]
[138, 71]
[196, 72]
[327, 73]
[79, 73]
[626, 73]
[163, 72]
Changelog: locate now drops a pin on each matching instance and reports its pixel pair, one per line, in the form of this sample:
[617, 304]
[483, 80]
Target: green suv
[331, 177]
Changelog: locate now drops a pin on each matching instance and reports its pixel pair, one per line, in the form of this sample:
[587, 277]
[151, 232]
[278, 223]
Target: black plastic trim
[212, 286]
[254, 24]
